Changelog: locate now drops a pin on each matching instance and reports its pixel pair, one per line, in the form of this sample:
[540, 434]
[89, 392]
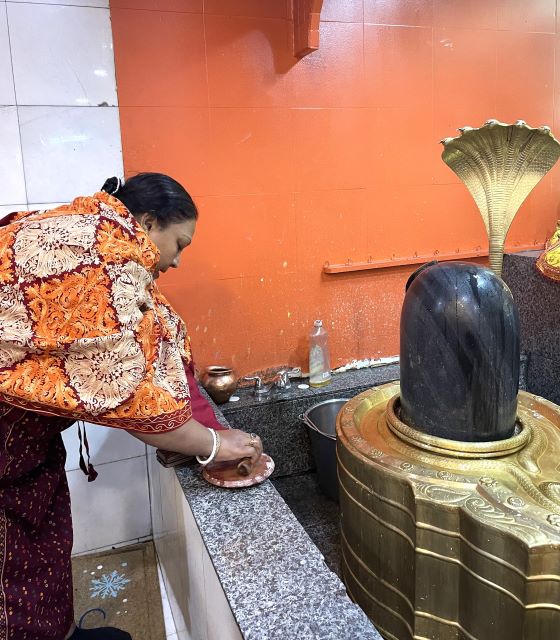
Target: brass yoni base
[441, 547]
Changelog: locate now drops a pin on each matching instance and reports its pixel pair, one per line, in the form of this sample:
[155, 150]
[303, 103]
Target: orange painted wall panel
[329, 158]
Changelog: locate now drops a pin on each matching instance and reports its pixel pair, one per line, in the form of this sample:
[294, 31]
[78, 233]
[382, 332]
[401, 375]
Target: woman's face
[170, 240]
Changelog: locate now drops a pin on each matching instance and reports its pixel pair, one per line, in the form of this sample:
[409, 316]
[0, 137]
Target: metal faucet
[259, 389]
[281, 381]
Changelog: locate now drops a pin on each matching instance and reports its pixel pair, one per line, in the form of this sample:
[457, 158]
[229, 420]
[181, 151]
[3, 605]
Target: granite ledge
[341, 382]
[274, 577]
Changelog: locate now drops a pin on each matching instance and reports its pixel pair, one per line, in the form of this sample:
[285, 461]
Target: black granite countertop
[341, 382]
[274, 577]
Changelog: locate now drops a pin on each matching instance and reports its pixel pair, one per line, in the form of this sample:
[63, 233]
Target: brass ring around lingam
[457, 448]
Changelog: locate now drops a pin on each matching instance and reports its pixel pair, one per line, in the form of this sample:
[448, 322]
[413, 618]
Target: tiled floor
[170, 631]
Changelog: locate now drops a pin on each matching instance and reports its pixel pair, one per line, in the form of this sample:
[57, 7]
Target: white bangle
[215, 449]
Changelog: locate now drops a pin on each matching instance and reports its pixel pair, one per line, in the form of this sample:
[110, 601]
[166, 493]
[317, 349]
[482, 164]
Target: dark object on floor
[459, 353]
[119, 589]
[103, 633]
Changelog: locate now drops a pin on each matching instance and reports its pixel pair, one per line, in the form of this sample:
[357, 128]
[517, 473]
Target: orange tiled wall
[336, 156]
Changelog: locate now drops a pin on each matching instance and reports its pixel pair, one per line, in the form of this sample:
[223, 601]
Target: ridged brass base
[440, 547]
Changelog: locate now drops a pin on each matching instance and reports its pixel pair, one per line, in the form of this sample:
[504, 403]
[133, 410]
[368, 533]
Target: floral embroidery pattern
[15, 328]
[105, 372]
[74, 308]
[130, 284]
[55, 245]
[170, 373]
[84, 331]
[6, 255]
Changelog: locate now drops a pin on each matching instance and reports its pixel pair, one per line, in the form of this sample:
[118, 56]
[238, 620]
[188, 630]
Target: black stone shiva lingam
[459, 353]
[449, 482]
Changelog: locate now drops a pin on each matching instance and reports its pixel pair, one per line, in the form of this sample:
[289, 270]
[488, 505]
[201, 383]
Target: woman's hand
[236, 444]
[193, 439]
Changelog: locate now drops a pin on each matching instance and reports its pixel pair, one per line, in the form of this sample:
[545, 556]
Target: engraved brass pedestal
[449, 540]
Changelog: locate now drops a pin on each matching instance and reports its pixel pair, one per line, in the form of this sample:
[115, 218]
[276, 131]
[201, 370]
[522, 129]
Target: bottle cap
[318, 323]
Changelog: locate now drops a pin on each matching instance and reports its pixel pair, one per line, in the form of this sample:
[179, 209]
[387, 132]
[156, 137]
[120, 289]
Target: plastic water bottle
[319, 361]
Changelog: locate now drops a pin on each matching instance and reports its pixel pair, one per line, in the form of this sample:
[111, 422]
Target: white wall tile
[12, 182]
[112, 509]
[75, 68]
[39, 206]
[69, 151]
[56, 65]
[7, 95]
[71, 3]
[105, 445]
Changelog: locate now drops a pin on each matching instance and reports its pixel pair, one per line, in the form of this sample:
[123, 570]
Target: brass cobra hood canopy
[450, 482]
[500, 165]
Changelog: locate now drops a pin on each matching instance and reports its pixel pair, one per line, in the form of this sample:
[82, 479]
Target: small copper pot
[219, 382]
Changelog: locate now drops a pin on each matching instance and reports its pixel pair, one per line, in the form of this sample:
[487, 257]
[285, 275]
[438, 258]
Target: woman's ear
[147, 221]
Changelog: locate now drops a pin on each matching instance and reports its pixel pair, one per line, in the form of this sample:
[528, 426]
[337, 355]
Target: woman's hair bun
[156, 193]
[111, 185]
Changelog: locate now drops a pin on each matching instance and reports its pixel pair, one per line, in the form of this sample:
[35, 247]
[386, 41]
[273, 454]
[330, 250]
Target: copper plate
[225, 474]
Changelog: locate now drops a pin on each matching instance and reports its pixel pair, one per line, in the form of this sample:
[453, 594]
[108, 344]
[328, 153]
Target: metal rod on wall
[389, 263]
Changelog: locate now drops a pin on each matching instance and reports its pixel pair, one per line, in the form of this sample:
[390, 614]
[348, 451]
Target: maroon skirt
[35, 527]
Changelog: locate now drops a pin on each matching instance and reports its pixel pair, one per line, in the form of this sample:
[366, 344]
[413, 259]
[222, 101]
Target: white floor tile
[114, 508]
[69, 151]
[12, 181]
[75, 68]
[7, 95]
[105, 445]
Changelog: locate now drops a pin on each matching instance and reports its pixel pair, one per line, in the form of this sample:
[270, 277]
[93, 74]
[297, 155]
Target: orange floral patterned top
[84, 331]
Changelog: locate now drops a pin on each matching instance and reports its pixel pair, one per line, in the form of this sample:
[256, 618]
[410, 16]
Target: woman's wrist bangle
[215, 449]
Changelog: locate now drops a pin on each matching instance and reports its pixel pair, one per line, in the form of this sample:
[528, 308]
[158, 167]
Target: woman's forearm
[190, 439]
[194, 439]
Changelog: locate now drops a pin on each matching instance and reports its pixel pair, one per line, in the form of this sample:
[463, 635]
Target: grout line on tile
[57, 4]
[116, 545]
[97, 465]
[67, 106]
[149, 490]
[16, 102]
